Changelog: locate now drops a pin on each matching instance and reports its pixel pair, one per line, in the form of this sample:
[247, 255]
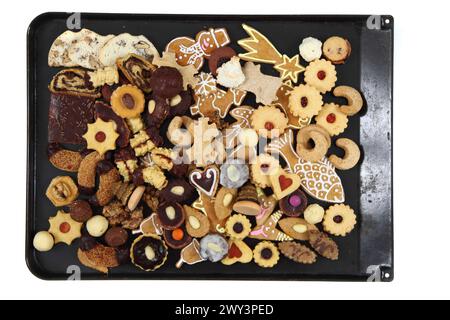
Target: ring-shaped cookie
[351, 157]
[354, 99]
[318, 151]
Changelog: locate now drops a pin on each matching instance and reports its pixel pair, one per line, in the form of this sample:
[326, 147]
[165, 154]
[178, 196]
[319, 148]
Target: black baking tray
[367, 253]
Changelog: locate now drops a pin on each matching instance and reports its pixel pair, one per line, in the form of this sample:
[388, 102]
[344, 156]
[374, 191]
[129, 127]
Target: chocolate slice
[74, 82]
[68, 117]
[137, 70]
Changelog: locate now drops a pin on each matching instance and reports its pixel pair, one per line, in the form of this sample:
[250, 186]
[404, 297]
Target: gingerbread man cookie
[189, 51]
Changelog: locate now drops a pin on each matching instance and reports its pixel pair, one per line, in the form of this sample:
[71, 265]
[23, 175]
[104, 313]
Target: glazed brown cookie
[177, 190]
[166, 82]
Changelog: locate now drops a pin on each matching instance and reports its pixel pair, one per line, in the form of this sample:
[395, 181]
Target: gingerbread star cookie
[260, 49]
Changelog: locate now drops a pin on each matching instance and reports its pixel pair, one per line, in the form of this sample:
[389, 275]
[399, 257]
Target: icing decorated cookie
[205, 204]
[192, 52]
[206, 181]
[242, 115]
[260, 49]
[210, 100]
[190, 254]
[269, 231]
[318, 179]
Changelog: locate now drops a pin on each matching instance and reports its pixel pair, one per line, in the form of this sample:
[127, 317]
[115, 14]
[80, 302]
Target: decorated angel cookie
[260, 49]
[319, 179]
[190, 51]
[268, 230]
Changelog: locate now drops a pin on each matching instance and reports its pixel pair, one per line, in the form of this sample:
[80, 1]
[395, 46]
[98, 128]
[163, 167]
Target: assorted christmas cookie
[321, 74]
[332, 119]
[63, 229]
[148, 252]
[305, 101]
[238, 251]
[339, 220]
[169, 162]
[269, 122]
[337, 49]
[266, 254]
[238, 227]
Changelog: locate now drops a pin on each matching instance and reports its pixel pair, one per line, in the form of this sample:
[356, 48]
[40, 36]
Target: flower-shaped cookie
[339, 220]
[266, 254]
[332, 119]
[238, 227]
[321, 74]
[305, 101]
[269, 121]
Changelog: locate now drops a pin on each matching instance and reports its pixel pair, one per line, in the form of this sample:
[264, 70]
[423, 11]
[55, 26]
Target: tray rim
[30, 172]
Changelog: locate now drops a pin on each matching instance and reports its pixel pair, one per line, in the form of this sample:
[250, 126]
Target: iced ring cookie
[339, 220]
[321, 74]
[337, 49]
[332, 119]
[305, 101]
[266, 254]
[310, 49]
[269, 121]
[263, 167]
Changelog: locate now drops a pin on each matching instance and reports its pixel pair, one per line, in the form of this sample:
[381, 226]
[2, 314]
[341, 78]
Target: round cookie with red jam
[305, 101]
[332, 119]
[294, 204]
[171, 215]
[266, 254]
[148, 252]
[321, 74]
[339, 220]
[177, 238]
[269, 121]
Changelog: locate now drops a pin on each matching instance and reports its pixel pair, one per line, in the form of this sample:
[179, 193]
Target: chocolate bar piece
[68, 117]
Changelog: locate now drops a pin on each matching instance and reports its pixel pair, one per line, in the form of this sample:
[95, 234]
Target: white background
[422, 125]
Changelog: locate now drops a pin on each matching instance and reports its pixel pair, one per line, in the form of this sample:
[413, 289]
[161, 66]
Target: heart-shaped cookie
[205, 181]
[284, 183]
[238, 251]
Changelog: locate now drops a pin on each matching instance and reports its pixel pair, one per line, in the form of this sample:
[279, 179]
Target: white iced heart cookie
[84, 51]
[310, 49]
[58, 55]
[124, 44]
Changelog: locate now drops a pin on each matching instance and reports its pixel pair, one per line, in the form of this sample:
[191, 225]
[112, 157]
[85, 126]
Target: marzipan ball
[43, 241]
[97, 226]
[116, 236]
[80, 211]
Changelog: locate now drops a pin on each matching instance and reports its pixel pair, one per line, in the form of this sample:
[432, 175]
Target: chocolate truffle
[171, 215]
[116, 237]
[80, 210]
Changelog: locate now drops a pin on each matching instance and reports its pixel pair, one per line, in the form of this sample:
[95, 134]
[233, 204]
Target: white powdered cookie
[84, 51]
[124, 44]
[58, 56]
